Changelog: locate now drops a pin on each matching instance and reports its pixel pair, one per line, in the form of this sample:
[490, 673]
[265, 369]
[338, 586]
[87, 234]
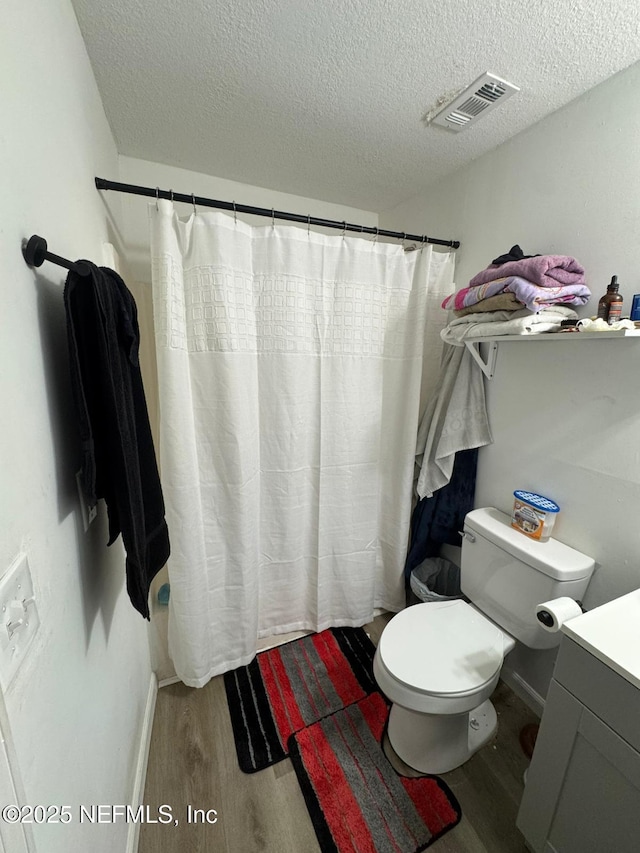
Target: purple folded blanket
[532, 296]
[543, 270]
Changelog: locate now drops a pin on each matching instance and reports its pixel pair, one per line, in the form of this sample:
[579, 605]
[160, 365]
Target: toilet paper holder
[547, 619]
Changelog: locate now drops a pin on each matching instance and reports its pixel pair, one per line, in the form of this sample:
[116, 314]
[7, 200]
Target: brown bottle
[610, 305]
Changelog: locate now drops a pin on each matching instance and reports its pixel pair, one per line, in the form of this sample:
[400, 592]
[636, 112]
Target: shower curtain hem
[244, 660]
[326, 623]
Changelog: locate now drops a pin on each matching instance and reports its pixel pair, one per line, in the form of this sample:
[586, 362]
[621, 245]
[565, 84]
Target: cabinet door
[599, 804]
[583, 787]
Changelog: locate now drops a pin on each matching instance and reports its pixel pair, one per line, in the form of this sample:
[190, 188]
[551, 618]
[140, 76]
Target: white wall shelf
[488, 364]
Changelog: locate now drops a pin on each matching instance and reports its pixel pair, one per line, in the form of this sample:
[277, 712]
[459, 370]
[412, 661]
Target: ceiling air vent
[475, 102]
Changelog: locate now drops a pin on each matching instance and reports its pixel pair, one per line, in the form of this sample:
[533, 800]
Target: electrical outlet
[19, 619]
[89, 513]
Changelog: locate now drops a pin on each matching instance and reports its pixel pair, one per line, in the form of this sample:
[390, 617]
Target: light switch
[19, 618]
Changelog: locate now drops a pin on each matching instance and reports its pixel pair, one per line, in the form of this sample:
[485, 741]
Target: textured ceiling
[325, 99]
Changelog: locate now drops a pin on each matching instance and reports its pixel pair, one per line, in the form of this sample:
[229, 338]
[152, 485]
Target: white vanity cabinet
[582, 793]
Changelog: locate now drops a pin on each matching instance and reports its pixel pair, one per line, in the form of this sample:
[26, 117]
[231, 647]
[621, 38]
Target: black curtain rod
[103, 184]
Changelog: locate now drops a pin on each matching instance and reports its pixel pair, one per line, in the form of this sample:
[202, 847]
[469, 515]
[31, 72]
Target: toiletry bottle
[610, 305]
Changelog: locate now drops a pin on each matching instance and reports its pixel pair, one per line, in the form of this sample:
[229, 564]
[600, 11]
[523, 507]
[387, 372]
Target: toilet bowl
[438, 663]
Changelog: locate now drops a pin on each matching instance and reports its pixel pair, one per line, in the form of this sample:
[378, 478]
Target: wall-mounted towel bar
[35, 254]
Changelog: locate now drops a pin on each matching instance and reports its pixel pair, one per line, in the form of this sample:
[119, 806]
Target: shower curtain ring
[235, 214]
[171, 194]
[273, 218]
[193, 199]
[157, 196]
[375, 239]
[344, 228]
[308, 225]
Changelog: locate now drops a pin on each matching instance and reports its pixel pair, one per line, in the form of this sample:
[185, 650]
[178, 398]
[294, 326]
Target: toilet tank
[506, 575]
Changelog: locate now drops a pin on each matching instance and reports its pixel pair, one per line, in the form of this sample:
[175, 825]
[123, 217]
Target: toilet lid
[442, 647]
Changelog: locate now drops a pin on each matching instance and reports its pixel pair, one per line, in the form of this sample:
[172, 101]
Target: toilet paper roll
[553, 614]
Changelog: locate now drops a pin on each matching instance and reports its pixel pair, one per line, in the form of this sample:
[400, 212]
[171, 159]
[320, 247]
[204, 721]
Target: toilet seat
[444, 648]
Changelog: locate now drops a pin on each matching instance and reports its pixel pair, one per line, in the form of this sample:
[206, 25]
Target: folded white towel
[498, 323]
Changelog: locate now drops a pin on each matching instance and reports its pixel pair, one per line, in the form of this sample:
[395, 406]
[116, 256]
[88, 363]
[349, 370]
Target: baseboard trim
[520, 687]
[173, 679]
[133, 836]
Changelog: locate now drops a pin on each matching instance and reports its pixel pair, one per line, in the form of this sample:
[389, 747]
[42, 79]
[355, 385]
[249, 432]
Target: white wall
[565, 415]
[568, 185]
[133, 227]
[75, 709]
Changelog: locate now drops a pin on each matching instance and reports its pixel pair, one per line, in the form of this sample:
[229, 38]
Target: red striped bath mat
[292, 686]
[357, 802]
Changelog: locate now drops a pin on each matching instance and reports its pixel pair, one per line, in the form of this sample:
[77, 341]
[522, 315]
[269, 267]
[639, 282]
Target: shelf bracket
[488, 365]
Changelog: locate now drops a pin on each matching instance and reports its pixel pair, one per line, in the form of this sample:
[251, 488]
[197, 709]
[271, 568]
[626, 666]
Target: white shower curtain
[289, 368]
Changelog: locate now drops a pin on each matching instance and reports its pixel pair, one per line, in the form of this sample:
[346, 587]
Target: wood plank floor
[193, 762]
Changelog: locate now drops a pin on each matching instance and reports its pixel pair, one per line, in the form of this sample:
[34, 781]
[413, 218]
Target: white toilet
[439, 662]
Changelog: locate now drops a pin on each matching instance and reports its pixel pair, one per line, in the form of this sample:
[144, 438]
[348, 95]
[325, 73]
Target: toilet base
[438, 743]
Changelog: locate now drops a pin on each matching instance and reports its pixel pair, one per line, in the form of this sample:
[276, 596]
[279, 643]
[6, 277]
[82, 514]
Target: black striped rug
[356, 800]
[292, 686]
